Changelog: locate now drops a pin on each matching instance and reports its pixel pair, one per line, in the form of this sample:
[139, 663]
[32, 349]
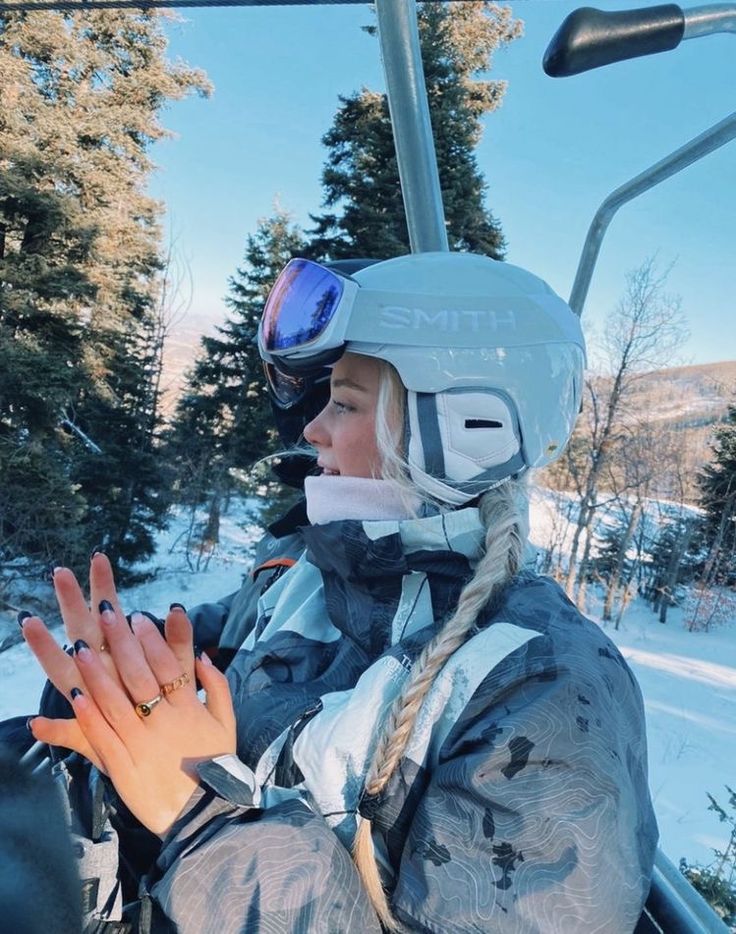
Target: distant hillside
[689, 401]
[181, 350]
[690, 396]
[675, 412]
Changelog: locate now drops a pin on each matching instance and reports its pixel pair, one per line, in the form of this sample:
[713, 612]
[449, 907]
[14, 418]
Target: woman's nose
[315, 432]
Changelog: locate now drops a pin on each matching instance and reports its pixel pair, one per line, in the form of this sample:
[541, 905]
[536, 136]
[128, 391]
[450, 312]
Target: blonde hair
[503, 512]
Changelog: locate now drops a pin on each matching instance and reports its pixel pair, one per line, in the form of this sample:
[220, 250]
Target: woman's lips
[328, 471]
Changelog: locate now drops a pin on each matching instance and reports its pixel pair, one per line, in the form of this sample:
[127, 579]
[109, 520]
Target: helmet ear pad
[462, 441]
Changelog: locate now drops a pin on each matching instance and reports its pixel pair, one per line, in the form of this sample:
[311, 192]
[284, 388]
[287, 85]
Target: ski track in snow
[688, 679]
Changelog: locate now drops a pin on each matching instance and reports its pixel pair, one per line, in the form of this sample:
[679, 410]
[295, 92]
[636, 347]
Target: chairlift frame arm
[694, 150]
[590, 38]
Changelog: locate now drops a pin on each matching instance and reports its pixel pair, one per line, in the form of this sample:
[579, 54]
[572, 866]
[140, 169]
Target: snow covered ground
[688, 679]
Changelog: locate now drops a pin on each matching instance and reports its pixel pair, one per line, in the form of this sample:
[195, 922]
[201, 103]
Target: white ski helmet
[492, 359]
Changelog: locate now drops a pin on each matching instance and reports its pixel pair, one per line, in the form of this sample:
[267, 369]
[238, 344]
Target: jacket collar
[447, 543]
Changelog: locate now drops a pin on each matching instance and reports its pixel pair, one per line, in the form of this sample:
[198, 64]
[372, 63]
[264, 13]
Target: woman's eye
[342, 406]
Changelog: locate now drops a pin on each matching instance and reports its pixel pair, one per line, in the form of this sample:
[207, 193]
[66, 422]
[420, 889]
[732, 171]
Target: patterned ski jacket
[520, 805]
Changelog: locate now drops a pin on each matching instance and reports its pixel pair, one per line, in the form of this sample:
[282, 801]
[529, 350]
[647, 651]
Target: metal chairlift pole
[398, 33]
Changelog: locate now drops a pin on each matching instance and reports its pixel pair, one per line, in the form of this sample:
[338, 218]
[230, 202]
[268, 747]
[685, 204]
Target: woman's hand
[150, 759]
[82, 623]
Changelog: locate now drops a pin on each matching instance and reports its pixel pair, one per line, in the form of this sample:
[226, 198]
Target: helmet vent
[482, 423]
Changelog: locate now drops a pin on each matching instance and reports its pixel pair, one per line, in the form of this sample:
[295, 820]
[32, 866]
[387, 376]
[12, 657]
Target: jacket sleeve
[272, 557]
[537, 817]
[209, 619]
[229, 866]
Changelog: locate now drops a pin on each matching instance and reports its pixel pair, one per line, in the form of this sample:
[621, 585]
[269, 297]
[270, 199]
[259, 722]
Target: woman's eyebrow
[348, 384]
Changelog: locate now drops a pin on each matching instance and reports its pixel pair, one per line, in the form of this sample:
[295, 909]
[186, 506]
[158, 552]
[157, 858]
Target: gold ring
[145, 707]
[104, 647]
[174, 685]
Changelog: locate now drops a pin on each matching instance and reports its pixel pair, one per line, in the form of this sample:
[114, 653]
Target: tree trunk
[583, 570]
[582, 525]
[715, 549]
[673, 566]
[211, 533]
[619, 562]
[623, 603]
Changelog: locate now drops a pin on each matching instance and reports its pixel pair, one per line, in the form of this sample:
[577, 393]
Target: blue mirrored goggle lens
[301, 305]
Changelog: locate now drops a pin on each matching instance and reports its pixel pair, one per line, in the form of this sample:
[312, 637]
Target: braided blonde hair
[503, 512]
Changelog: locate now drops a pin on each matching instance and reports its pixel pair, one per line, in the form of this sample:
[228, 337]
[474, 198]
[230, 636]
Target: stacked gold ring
[174, 685]
[145, 708]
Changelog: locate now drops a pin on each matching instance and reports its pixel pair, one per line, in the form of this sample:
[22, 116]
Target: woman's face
[344, 432]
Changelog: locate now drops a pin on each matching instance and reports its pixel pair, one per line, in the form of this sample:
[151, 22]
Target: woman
[410, 692]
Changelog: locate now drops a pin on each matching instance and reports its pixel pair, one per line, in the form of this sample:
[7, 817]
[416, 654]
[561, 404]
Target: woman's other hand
[151, 759]
[81, 622]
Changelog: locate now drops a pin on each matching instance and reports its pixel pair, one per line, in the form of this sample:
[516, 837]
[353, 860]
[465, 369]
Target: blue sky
[550, 155]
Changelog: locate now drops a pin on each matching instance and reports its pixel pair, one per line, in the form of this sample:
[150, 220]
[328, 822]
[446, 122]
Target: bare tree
[173, 302]
[643, 332]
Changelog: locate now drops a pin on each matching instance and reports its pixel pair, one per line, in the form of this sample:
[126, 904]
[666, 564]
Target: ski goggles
[302, 330]
[290, 390]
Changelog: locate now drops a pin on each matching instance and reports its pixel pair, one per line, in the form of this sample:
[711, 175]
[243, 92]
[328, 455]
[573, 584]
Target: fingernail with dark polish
[106, 606]
[178, 606]
[75, 692]
[80, 646]
[23, 616]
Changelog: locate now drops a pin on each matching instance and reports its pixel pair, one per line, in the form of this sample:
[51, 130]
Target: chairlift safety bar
[712, 139]
[590, 38]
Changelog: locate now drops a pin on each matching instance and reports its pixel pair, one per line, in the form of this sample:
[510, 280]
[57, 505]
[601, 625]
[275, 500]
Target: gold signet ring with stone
[145, 708]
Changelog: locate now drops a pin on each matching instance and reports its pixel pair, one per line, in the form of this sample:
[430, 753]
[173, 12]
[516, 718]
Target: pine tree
[79, 264]
[365, 216]
[674, 561]
[607, 561]
[223, 421]
[717, 483]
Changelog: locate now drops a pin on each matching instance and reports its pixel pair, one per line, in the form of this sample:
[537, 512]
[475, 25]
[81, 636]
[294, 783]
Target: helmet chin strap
[462, 442]
[447, 494]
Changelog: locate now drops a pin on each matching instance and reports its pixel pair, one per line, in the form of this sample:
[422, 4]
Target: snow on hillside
[688, 679]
